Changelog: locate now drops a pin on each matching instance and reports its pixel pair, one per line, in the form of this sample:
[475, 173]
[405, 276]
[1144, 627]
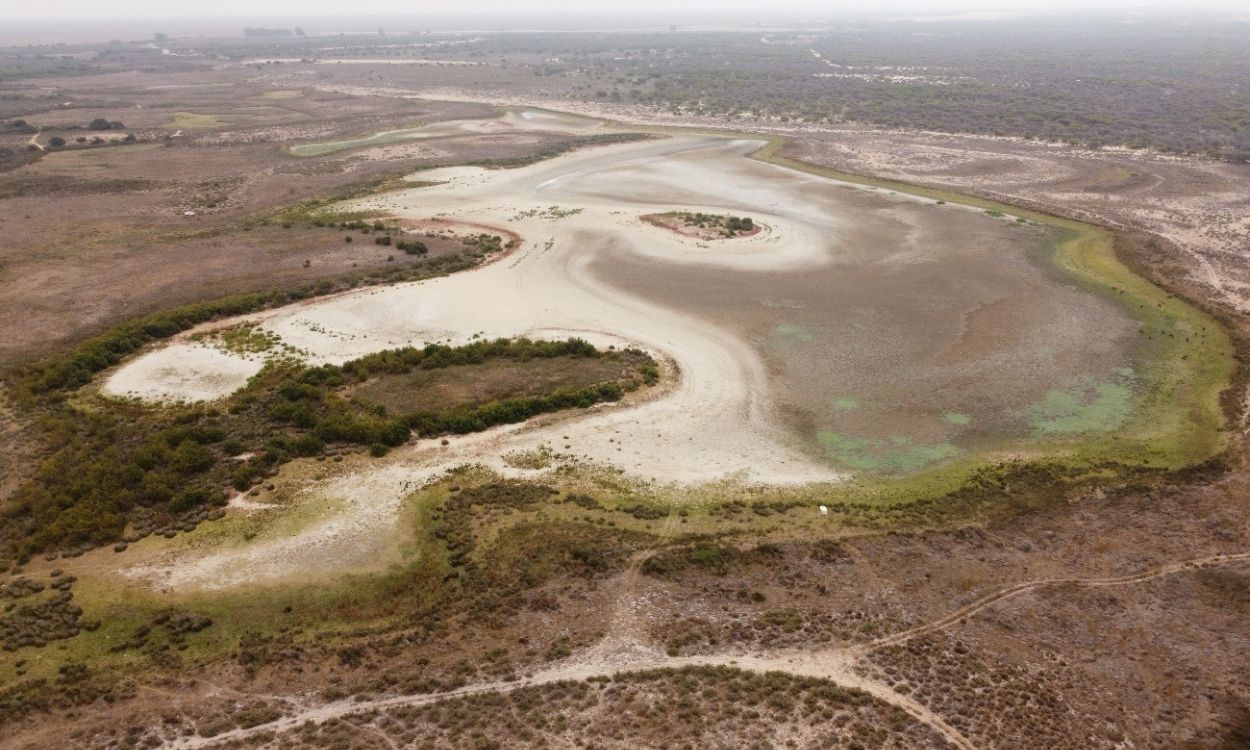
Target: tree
[99, 123]
[56, 141]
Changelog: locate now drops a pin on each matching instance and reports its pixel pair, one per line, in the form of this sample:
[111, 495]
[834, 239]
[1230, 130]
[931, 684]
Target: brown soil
[473, 385]
[130, 249]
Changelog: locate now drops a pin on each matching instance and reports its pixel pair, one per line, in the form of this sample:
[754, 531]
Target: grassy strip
[52, 379]
[399, 135]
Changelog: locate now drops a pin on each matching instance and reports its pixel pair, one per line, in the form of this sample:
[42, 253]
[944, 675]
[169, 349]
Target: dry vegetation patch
[705, 226]
[479, 384]
[689, 708]
[995, 704]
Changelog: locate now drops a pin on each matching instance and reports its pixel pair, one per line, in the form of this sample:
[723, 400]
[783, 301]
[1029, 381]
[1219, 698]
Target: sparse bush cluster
[21, 126]
[731, 226]
[569, 548]
[455, 518]
[37, 624]
[492, 584]
[759, 625]
[101, 123]
[694, 707]
[707, 556]
[176, 626]
[412, 247]
[258, 650]
[75, 685]
[993, 704]
[734, 508]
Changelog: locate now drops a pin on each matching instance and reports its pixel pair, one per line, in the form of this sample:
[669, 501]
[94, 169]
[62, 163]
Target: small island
[705, 226]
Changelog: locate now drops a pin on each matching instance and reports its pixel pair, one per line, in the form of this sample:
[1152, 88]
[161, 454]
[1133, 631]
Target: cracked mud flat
[822, 325]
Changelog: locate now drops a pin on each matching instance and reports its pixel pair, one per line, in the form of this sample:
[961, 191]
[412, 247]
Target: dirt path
[836, 665]
[1027, 586]
[838, 671]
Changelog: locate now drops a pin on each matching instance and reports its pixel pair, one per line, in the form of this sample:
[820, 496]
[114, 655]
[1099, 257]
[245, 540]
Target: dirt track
[618, 654]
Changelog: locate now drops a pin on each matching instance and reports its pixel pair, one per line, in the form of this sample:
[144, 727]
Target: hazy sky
[82, 9]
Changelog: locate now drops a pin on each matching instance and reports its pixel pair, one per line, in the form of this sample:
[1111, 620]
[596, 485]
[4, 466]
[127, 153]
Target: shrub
[412, 247]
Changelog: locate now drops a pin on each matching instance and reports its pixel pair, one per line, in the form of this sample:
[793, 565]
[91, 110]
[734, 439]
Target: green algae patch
[791, 332]
[1102, 407]
[898, 455]
[845, 403]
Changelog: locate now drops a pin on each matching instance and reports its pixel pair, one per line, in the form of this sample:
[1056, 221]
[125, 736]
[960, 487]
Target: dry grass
[472, 385]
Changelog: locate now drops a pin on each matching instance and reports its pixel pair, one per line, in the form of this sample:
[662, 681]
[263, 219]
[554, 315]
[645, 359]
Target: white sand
[184, 371]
